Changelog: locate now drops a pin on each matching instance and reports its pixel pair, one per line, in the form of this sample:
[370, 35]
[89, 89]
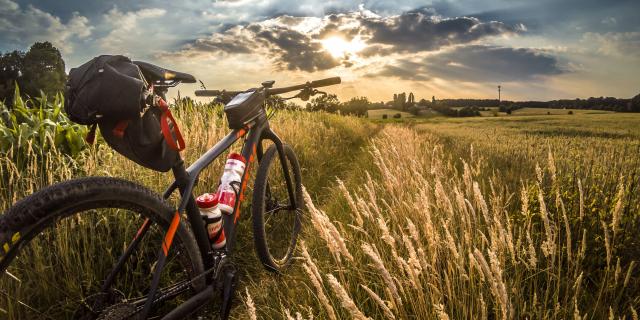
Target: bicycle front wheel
[276, 218]
[59, 245]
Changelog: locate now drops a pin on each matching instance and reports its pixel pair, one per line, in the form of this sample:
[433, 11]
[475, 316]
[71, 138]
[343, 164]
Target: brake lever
[305, 94]
[223, 98]
[308, 92]
[320, 92]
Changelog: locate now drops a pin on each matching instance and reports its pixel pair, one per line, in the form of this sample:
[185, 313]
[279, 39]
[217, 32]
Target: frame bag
[243, 108]
[111, 92]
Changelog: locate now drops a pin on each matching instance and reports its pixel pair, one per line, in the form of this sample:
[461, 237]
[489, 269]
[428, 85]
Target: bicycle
[169, 257]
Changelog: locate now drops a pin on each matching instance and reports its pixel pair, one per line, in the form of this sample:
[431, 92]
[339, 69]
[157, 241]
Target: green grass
[550, 111]
[377, 113]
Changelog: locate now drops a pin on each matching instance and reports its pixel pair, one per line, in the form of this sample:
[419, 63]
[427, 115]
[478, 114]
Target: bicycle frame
[185, 180]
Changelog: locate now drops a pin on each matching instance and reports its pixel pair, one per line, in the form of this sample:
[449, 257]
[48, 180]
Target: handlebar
[273, 91]
[214, 93]
[312, 84]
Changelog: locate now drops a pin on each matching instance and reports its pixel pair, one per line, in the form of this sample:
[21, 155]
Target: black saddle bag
[111, 92]
[107, 87]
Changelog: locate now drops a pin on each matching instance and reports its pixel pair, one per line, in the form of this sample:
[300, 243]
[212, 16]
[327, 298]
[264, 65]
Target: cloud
[283, 39]
[126, 28]
[614, 44]
[20, 27]
[296, 50]
[477, 63]
[422, 30]
[294, 43]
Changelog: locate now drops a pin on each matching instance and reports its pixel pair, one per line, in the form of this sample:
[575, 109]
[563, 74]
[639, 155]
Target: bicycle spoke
[278, 208]
[66, 299]
[48, 282]
[12, 276]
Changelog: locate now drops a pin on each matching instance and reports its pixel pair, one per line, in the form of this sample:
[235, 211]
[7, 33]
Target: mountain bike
[108, 248]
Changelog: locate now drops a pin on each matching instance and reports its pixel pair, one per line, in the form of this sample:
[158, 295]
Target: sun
[339, 47]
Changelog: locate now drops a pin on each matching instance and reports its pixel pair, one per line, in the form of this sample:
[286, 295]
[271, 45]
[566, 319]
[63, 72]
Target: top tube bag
[111, 92]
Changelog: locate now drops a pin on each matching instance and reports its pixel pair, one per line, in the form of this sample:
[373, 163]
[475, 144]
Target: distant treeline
[466, 111]
[463, 107]
[601, 103]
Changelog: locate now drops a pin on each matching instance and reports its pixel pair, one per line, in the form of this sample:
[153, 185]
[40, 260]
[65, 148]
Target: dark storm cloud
[476, 63]
[422, 31]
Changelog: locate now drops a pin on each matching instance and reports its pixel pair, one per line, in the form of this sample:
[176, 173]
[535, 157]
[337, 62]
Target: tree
[634, 104]
[328, 103]
[43, 70]
[468, 112]
[356, 106]
[10, 70]
[400, 101]
[39, 69]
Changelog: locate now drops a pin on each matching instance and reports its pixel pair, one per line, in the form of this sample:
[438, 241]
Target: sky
[536, 50]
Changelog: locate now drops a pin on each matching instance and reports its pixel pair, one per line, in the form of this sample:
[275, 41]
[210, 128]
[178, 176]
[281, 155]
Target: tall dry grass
[420, 238]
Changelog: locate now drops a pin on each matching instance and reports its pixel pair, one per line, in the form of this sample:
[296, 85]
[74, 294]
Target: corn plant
[36, 125]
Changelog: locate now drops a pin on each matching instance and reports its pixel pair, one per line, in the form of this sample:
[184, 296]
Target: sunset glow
[339, 47]
[450, 48]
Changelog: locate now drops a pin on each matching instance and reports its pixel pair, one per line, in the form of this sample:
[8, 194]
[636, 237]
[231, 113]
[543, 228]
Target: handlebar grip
[325, 82]
[208, 93]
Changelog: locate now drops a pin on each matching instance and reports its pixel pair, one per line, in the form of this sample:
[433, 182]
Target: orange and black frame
[219, 273]
[185, 180]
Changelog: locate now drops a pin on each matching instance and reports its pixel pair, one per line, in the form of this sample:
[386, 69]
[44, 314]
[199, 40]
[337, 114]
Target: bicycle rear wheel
[60, 244]
[276, 222]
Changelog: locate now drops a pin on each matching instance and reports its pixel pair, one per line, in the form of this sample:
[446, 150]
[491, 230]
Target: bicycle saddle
[156, 74]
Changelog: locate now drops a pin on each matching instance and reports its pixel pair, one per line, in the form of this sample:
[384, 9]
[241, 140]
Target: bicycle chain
[118, 311]
[115, 312]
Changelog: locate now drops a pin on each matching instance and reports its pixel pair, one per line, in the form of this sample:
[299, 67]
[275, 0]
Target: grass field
[549, 111]
[447, 218]
[377, 113]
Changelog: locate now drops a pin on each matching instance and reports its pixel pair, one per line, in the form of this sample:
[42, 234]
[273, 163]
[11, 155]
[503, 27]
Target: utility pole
[499, 87]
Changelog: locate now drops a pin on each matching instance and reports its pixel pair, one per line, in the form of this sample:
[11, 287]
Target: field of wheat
[505, 218]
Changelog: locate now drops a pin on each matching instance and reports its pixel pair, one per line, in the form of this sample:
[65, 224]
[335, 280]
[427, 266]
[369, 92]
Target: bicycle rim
[59, 273]
[281, 222]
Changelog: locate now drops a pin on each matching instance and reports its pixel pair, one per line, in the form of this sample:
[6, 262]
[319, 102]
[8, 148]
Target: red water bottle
[230, 182]
[210, 212]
